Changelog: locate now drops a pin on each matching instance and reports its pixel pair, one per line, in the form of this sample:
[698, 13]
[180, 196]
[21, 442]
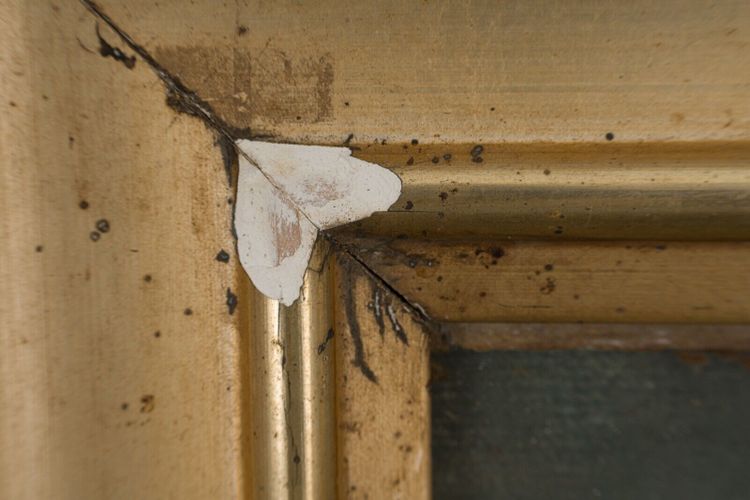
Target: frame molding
[387, 281]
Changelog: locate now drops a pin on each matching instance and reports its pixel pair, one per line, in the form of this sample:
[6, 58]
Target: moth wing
[274, 240]
[329, 185]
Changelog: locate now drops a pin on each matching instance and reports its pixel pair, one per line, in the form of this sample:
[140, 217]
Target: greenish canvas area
[578, 424]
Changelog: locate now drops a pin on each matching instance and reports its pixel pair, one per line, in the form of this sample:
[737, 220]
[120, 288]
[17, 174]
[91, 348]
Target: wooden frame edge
[291, 414]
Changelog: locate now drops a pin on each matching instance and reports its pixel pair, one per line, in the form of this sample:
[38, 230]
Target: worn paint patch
[260, 87]
[286, 193]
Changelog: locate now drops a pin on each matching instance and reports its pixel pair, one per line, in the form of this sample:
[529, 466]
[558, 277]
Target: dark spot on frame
[157, 334]
[549, 267]
[547, 171]
[410, 161]
[231, 301]
[477, 159]
[495, 252]
[435, 160]
[409, 205]
[443, 196]
[414, 142]
[39, 248]
[609, 136]
[447, 156]
[148, 402]
[241, 30]
[94, 235]
[106, 50]
[222, 256]
[124, 406]
[348, 139]
[147, 278]
[187, 311]
[477, 150]
[83, 205]
[549, 286]
[102, 225]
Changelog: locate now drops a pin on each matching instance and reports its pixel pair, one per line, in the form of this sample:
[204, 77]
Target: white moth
[286, 193]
